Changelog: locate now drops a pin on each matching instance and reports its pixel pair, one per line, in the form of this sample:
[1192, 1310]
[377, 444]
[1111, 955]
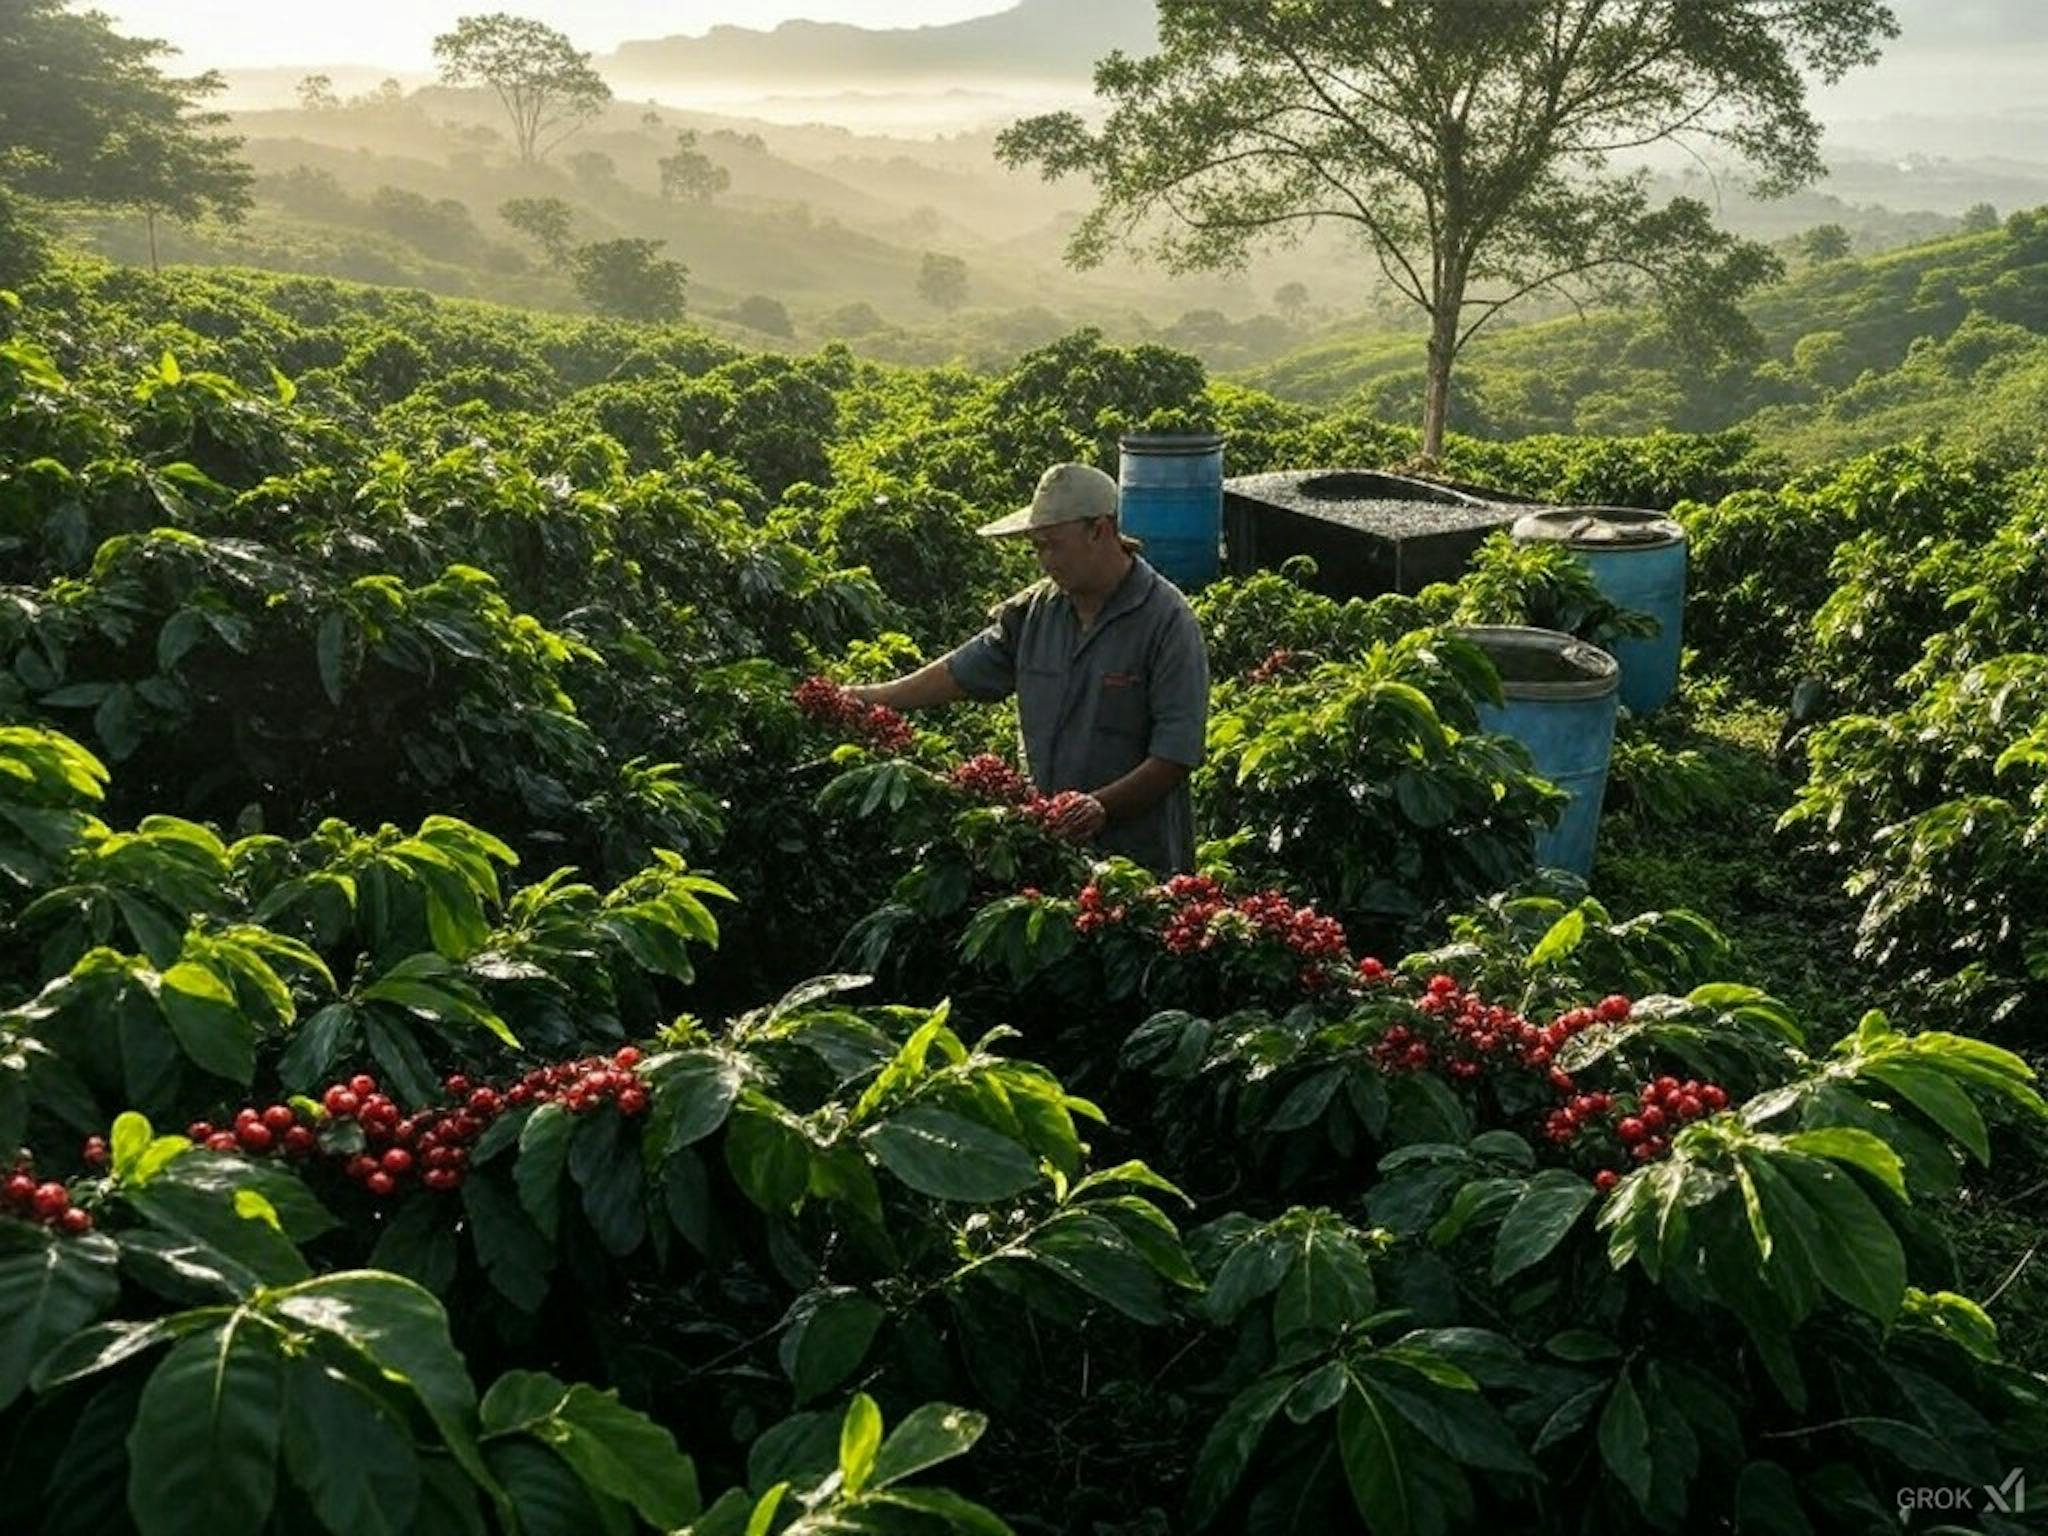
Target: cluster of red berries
[1096, 912]
[988, 778]
[1195, 926]
[1662, 1106]
[278, 1129]
[430, 1147]
[1480, 1031]
[587, 1084]
[28, 1198]
[825, 702]
[1276, 662]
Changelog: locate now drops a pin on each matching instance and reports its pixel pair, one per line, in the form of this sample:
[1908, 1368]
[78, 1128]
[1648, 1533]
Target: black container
[1368, 532]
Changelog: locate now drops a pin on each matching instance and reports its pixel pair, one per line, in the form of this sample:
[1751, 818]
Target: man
[1109, 669]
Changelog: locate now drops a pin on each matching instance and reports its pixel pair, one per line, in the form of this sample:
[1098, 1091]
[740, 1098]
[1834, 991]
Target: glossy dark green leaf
[513, 1253]
[401, 1330]
[1548, 1209]
[693, 1094]
[418, 1241]
[49, 1288]
[203, 1451]
[543, 1154]
[927, 1436]
[1228, 1448]
[950, 1157]
[1624, 1437]
[211, 1028]
[769, 1155]
[1373, 1465]
[1087, 1251]
[826, 1339]
[353, 1462]
[605, 1163]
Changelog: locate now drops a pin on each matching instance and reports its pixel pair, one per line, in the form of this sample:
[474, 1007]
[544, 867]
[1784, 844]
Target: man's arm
[926, 688]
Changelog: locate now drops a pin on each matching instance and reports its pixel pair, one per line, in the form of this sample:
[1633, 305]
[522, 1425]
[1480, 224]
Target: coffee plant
[492, 1039]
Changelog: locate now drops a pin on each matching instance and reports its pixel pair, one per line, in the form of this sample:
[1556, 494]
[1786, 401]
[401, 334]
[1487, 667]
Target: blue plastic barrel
[1561, 704]
[1173, 502]
[1638, 560]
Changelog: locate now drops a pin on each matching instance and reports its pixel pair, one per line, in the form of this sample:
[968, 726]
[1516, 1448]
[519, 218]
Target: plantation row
[499, 1044]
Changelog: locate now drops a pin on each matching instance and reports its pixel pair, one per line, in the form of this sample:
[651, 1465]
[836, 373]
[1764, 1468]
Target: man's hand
[1080, 821]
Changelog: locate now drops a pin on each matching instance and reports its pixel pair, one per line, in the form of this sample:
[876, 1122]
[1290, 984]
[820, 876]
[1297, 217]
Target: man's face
[1067, 550]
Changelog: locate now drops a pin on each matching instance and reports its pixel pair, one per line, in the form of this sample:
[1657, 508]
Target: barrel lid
[1170, 442]
[1600, 528]
[1543, 663]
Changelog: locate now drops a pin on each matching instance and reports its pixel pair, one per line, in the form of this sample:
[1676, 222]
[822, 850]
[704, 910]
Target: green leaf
[929, 1435]
[828, 1334]
[418, 1242]
[1624, 1437]
[693, 1094]
[1581, 1346]
[1937, 1097]
[1767, 1502]
[606, 1166]
[1858, 1256]
[49, 1289]
[316, 1044]
[355, 1465]
[1372, 1464]
[768, 1153]
[950, 1157]
[1318, 1392]
[549, 1496]
[202, 1453]
[333, 633]
[1845, 1144]
[620, 1452]
[408, 1076]
[763, 1519]
[400, 1329]
[211, 1029]
[1228, 1448]
[130, 1135]
[105, 1345]
[960, 1515]
[1562, 939]
[1328, 1287]
[860, 1437]
[513, 1253]
[1090, 1252]
[543, 1153]
[1554, 1201]
[1460, 1423]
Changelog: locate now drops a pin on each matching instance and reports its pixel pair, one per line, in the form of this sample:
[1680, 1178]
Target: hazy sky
[399, 34]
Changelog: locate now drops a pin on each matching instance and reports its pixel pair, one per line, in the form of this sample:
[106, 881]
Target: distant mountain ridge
[1050, 40]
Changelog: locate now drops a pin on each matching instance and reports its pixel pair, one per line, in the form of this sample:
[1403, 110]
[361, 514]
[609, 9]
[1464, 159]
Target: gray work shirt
[1092, 704]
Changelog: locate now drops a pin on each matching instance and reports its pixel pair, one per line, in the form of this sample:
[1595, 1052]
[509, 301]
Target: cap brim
[1007, 527]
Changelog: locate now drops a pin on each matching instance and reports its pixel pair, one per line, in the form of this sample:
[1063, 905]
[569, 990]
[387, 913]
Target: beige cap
[1067, 493]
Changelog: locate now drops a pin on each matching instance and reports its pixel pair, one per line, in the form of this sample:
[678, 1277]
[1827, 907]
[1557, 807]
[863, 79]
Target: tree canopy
[547, 88]
[87, 116]
[691, 174]
[942, 281]
[630, 279]
[1470, 143]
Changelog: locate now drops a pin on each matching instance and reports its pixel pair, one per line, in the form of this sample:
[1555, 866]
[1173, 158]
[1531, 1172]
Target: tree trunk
[1436, 392]
[150, 215]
